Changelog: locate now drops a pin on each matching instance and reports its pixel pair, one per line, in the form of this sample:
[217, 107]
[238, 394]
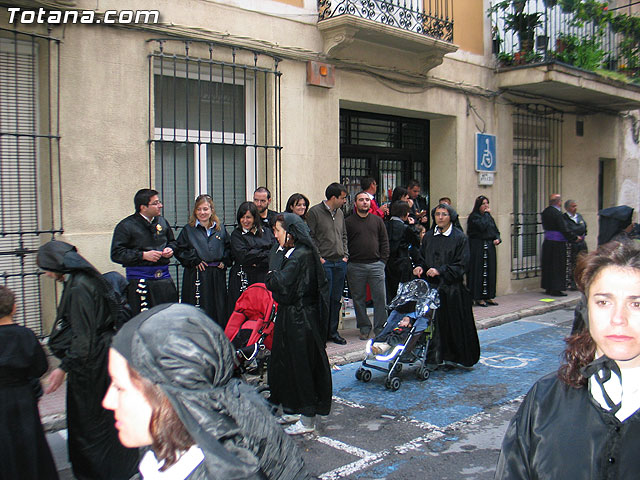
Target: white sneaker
[286, 419]
[298, 428]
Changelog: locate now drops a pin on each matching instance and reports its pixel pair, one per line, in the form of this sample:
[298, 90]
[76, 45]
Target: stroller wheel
[359, 373]
[397, 369]
[366, 375]
[394, 383]
[423, 373]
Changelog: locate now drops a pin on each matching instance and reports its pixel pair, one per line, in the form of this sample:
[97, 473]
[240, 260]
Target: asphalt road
[447, 427]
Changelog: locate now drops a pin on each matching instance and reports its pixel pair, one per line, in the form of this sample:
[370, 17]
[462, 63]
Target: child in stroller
[250, 328]
[407, 334]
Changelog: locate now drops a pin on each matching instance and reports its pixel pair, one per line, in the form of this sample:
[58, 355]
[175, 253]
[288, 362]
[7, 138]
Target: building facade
[222, 96]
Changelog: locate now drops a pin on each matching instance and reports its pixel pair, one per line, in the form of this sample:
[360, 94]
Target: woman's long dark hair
[581, 348]
[293, 201]
[169, 435]
[253, 210]
[478, 204]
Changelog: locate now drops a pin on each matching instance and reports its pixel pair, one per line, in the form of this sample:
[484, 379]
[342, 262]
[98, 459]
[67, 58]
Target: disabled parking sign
[485, 152]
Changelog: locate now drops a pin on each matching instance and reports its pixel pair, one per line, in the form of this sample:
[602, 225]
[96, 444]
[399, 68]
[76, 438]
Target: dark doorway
[393, 150]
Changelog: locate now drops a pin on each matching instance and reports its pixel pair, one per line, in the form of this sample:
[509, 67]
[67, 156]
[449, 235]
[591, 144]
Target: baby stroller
[408, 346]
[250, 328]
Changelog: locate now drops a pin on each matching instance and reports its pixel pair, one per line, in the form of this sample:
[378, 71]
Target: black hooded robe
[454, 319]
[482, 231]
[554, 252]
[25, 454]
[95, 452]
[178, 348]
[612, 223]
[194, 247]
[299, 372]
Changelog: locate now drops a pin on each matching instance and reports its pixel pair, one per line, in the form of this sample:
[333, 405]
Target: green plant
[583, 53]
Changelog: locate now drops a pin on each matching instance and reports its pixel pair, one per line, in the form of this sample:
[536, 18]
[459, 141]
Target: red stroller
[250, 328]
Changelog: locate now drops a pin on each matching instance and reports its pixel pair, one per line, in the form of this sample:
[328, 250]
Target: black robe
[420, 204]
[299, 372]
[194, 247]
[560, 432]
[458, 337]
[25, 452]
[577, 229]
[404, 245]
[95, 451]
[250, 254]
[554, 252]
[132, 237]
[482, 231]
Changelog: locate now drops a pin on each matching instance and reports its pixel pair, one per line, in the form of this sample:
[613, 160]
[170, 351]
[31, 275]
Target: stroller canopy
[419, 291]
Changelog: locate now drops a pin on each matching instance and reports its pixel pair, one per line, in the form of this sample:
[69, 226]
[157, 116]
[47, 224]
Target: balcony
[406, 36]
[585, 56]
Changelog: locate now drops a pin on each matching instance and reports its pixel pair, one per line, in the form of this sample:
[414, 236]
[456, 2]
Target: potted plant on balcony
[524, 24]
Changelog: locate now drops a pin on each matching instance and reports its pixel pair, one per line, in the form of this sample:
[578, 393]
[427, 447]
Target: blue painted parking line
[513, 357]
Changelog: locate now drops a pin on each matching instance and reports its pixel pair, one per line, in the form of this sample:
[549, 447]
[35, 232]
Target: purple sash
[148, 273]
[213, 264]
[554, 236]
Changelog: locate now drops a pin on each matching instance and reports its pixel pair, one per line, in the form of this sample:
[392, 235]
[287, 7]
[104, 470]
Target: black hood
[185, 353]
[612, 221]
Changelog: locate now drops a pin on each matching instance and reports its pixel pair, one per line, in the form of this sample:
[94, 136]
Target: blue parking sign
[485, 152]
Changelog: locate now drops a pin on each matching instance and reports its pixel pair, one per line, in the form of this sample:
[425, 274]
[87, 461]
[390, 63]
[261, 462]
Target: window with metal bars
[393, 150]
[537, 173]
[29, 160]
[215, 127]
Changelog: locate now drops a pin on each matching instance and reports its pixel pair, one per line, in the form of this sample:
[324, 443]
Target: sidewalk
[510, 308]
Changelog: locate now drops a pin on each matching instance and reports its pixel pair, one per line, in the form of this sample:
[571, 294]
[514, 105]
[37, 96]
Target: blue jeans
[335, 272]
[358, 275]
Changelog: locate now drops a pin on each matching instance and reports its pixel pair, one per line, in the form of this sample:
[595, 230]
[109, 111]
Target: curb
[527, 312]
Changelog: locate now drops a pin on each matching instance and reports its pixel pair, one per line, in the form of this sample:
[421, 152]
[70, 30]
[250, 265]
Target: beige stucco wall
[104, 121]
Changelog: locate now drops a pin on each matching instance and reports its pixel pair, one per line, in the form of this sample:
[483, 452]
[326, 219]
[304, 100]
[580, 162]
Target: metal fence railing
[540, 31]
[433, 18]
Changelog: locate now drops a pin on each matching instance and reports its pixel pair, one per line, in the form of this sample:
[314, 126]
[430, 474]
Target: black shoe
[364, 335]
[338, 339]
[558, 293]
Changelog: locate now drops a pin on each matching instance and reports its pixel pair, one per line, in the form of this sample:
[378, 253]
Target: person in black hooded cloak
[173, 389]
[445, 257]
[614, 222]
[85, 323]
[299, 372]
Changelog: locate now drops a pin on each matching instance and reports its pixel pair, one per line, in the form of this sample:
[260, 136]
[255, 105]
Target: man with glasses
[143, 243]
[445, 256]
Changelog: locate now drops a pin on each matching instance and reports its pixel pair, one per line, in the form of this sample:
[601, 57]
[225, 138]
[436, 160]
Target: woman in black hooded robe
[84, 326]
[173, 389]
[299, 373]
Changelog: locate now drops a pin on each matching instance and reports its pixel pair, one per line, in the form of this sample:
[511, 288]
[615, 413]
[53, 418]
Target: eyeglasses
[204, 195]
[157, 202]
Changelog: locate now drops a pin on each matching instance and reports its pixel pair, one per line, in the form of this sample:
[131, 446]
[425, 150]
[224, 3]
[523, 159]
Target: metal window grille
[29, 165]
[393, 150]
[214, 114]
[537, 173]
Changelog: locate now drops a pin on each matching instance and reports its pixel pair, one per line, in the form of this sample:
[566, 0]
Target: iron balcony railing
[433, 18]
[540, 31]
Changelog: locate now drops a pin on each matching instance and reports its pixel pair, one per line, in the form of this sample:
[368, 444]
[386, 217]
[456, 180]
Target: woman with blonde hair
[583, 421]
[204, 252]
